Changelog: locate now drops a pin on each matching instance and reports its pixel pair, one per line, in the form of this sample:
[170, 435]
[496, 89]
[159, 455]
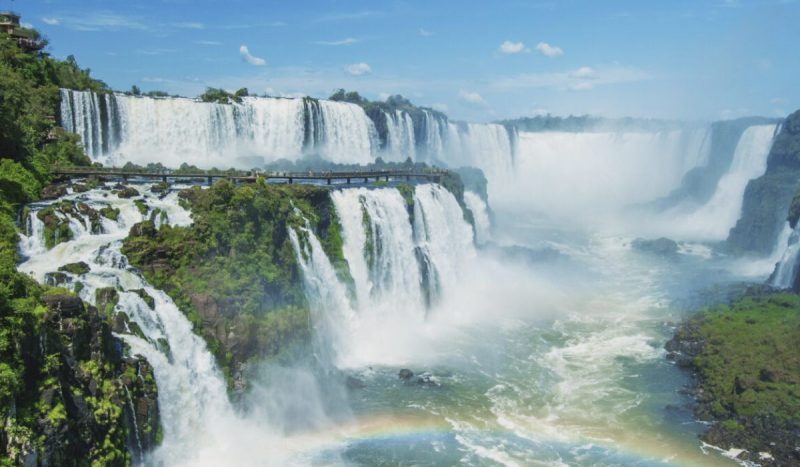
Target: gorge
[572, 291]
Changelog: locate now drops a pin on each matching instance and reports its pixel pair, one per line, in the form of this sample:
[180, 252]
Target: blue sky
[475, 60]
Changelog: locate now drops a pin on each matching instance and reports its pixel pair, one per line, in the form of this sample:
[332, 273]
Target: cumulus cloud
[51, 21]
[549, 50]
[347, 41]
[510, 48]
[358, 69]
[250, 58]
[471, 98]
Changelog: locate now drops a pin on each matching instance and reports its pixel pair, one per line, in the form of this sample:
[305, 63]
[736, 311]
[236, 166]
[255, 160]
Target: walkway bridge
[327, 177]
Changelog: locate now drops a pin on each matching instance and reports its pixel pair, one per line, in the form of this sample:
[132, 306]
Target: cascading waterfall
[480, 214]
[393, 261]
[786, 270]
[714, 219]
[379, 247]
[116, 128]
[199, 423]
[400, 135]
[332, 313]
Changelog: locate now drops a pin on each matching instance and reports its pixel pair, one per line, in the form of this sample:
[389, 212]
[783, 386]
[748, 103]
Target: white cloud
[510, 48]
[549, 50]
[440, 107]
[347, 41]
[384, 95]
[250, 58]
[157, 51]
[471, 98]
[208, 42]
[358, 69]
[98, 21]
[584, 72]
[424, 32]
[189, 25]
[346, 16]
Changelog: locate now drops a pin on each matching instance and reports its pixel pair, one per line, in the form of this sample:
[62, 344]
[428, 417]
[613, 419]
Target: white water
[174, 131]
[592, 176]
[400, 138]
[480, 214]
[786, 269]
[116, 129]
[388, 258]
[200, 426]
[714, 219]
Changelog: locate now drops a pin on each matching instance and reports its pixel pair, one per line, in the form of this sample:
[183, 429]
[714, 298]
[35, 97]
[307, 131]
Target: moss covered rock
[747, 360]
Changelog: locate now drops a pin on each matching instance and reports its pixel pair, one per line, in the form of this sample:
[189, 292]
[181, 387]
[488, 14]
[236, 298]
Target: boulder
[53, 191]
[63, 305]
[75, 268]
[405, 374]
[126, 192]
[660, 246]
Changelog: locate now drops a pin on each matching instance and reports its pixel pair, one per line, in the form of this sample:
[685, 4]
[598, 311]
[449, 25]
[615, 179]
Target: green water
[585, 382]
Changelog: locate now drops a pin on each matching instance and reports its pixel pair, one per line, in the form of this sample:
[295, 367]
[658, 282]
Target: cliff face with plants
[747, 363]
[233, 271]
[767, 198]
[68, 392]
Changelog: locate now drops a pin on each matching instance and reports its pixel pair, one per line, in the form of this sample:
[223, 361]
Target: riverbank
[746, 361]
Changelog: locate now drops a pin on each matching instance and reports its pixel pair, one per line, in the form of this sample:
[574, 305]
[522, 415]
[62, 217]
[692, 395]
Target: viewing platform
[326, 177]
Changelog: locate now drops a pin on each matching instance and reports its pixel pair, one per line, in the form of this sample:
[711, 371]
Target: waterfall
[198, 420]
[786, 270]
[116, 129]
[330, 306]
[480, 214]
[379, 247]
[714, 219]
[400, 135]
[396, 264]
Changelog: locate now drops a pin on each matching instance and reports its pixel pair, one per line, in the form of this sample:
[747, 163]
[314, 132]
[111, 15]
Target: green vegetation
[747, 357]
[48, 403]
[221, 96]
[233, 271]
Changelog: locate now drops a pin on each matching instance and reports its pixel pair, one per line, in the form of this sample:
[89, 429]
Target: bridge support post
[348, 180]
[387, 178]
[366, 179]
[328, 180]
[291, 180]
[408, 178]
[210, 180]
[164, 179]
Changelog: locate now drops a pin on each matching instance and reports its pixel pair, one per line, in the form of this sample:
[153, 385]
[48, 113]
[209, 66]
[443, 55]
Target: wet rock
[351, 382]
[106, 299]
[150, 301]
[660, 246]
[63, 305]
[427, 379]
[405, 374]
[55, 279]
[79, 188]
[110, 213]
[75, 268]
[143, 229]
[54, 191]
[126, 192]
